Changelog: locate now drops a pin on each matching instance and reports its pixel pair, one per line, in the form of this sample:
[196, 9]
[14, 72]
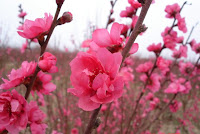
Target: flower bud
[59, 2]
[66, 17]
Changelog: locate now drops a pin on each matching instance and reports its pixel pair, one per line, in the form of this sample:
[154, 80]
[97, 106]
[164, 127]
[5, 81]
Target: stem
[106, 118]
[108, 22]
[92, 121]
[30, 86]
[136, 30]
[51, 30]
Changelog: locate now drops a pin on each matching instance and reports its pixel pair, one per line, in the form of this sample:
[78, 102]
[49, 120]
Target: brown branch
[136, 30]
[92, 121]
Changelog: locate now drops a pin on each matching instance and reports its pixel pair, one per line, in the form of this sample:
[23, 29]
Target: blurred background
[92, 14]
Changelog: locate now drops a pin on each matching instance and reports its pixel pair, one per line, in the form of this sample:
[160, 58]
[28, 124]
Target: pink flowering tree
[103, 89]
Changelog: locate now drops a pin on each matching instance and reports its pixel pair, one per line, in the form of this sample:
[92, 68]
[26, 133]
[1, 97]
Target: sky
[87, 13]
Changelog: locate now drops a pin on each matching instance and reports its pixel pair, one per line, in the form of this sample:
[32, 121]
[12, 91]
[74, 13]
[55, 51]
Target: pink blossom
[176, 86]
[149, 96]
[174, 107]
[193, 42]
[155, 48]
[38, 128]
[22, 14]
[74, 131]
[153, 82]
[86, 43]
[47, 63]
[43, 84]
[186, 68]
[78, 122]
[144, 68]
[163, 65]
[35, 118]
[196, 47]
[181, 23]
[127, 74]
[95, 78]
[19, 76]
[32, 29]
[182, 52]
[104, 39]
[172, 10]
[125, 30]
[169, 38]
[154, 103]
[129, 12]
[134, 4]
[13, 113]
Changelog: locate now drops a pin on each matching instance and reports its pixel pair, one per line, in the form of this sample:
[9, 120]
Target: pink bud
[66, 17]
[59, 2]
[47, 63]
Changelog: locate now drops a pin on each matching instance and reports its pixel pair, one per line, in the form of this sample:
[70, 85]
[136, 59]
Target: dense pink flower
[163, 64]
[144, 68]
[153, 82]
[127, 74]
[177, 86]
[22, 14]
[196, 47]
[124, 30]
[43, 84]
[169, 38]
[129, 12]
[174, 107]
[134, 4]
[186, 68]
[181, 23]
[13, 111]
[35, 118]
[47, 63]
[104, 39]
[153, 103]
[32, 29]
[172, 10]
[95, 78]
[78, 122]
[19, 76]
[182, 52]
[74, 131]
[155, 48]
[38, 128]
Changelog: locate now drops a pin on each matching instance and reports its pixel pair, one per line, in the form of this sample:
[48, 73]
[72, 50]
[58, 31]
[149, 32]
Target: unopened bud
[66, 18]
[111, 20]
[111, 11]
[59, 2]
[141, 1]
